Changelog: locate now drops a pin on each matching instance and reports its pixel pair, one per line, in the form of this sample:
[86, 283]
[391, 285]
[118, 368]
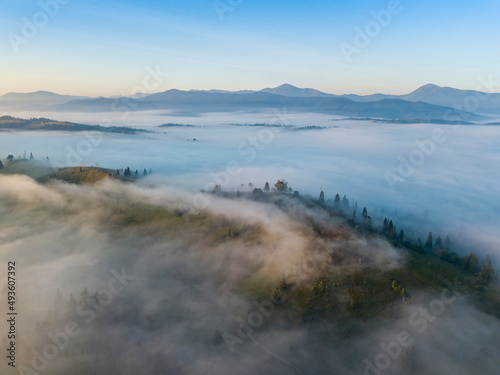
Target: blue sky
[105, 47]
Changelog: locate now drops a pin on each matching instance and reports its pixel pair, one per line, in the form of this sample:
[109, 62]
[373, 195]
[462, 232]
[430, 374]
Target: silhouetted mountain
[289, 90]
[39, 98]
[191, 103]
[470, 100]
[430, 102]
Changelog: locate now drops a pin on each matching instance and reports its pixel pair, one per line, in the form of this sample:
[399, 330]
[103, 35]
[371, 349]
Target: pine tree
[384, 225]
[321, 199]
[447, 242]
[336, 203]
[345, 204]
[266, 186]
[390, 226]
[31, 156]
[428, 243]
[472, 264]
[145, 172]
[439, 243]
[1, 165]
[486, 274]
[401, 236]
[483, 275]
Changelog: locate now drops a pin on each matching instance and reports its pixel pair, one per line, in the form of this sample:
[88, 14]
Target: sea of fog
[425, 177]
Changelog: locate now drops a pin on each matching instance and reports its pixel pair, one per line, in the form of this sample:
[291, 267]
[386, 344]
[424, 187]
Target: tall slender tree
[321, 199]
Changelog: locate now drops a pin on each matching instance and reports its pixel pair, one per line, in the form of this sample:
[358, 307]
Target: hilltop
[43, 172]
[14, 123]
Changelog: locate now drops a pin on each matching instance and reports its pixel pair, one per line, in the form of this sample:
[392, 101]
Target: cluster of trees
[10, 157]
[128, 173]
[440, 249]
[344, 206]
[281, 186]
[485, 275]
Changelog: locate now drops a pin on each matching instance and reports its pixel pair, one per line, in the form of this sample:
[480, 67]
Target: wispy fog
[172, 290]
[451, 190]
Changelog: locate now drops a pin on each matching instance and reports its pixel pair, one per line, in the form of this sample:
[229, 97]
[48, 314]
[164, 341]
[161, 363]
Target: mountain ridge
[286, 95]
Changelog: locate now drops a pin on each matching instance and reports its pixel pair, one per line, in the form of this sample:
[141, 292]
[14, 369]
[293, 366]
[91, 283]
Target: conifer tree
[336, 203]
[447, 242]
[321, 199]
[439, 243]
[428, 243]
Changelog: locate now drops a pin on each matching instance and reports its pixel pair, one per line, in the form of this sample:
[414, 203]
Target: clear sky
[103, 47]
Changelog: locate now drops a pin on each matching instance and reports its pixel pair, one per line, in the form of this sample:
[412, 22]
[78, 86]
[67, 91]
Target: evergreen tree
[394, 233]
[384, 225]
[72, 305]
[447, 242]
[401, 236]
[470, 263]
[439, 243]
[428, 243]
[365, 213]
[117, 172]
[321, 199]
[150, 171]
[145, 172]
[266, 186]
[390, 226]
[487, 274]
[483, 275]
[354, 215]
[336, 203]
[84, 296]
[1, 165]
[31, 156]
[345, 204]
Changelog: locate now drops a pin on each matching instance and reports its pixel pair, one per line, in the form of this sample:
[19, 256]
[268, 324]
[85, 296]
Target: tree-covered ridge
[14, 123]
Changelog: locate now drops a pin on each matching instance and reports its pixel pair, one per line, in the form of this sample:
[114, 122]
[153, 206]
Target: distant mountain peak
[287, 89]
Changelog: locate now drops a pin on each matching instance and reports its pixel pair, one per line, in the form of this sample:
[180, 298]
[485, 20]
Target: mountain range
[429, 102]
